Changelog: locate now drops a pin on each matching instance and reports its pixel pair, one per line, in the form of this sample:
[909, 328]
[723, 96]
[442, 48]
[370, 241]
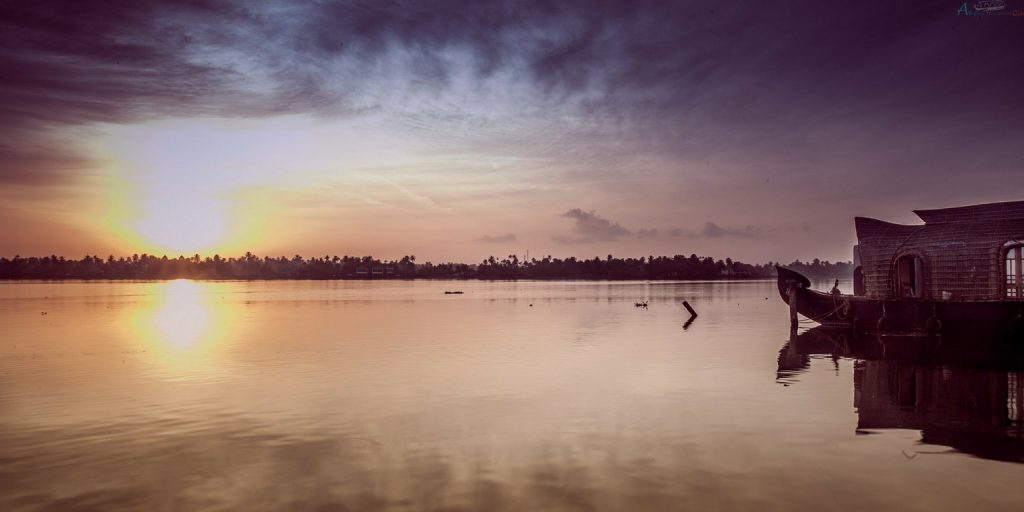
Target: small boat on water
[960, 271]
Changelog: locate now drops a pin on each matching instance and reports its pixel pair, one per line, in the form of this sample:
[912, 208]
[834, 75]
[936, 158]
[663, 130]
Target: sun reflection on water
[185, 327]
[182, 319]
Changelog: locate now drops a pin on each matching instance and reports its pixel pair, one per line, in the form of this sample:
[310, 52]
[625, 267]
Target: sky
[456, 130]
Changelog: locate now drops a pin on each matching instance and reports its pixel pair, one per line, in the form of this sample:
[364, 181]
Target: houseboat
[958, 271]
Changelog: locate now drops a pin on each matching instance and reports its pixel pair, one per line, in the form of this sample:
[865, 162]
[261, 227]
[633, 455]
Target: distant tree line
[250, 266]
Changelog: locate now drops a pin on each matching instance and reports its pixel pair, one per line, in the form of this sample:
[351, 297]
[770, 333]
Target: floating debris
[642, 304]
[457, 292]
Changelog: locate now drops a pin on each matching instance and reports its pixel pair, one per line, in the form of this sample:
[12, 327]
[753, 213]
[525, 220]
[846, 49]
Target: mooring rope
[817, 319]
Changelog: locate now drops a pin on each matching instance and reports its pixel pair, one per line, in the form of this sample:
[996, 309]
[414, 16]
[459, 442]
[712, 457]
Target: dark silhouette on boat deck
[960, 271]
[963, 392]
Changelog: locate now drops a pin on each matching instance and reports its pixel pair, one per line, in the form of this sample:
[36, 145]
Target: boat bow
[790, 279]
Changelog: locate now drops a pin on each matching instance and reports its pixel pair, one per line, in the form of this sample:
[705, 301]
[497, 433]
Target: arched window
[1012, 266]
[909, 277]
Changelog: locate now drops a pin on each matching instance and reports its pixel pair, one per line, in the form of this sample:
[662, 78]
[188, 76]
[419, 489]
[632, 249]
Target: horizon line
[214, 256]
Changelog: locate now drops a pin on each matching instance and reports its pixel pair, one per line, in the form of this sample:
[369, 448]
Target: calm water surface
[512, 396]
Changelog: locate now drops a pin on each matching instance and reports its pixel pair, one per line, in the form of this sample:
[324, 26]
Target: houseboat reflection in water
[964, 393]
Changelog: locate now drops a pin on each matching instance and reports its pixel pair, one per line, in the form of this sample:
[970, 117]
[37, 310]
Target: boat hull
[866, 315]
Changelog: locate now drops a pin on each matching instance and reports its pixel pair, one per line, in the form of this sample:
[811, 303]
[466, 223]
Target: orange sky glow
[570, 131]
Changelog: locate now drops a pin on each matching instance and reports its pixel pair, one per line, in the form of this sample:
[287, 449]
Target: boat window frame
[920, 286]
[1018, 286]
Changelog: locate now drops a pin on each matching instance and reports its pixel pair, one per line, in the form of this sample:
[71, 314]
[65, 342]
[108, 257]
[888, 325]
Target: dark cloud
[646, 234]
[84, 61]
[102, 61]
[507, 237]
[81, 62]
[35, 164]
[712, 230]
[591, 227]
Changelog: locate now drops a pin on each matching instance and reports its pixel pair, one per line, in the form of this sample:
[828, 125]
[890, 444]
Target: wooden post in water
[793, 321]
[693, 314]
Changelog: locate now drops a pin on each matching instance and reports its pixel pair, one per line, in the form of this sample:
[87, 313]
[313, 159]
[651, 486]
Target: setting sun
[191, 186]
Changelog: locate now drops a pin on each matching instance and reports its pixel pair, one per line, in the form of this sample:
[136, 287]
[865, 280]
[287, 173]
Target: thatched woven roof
[961, 248]
[974, 213]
